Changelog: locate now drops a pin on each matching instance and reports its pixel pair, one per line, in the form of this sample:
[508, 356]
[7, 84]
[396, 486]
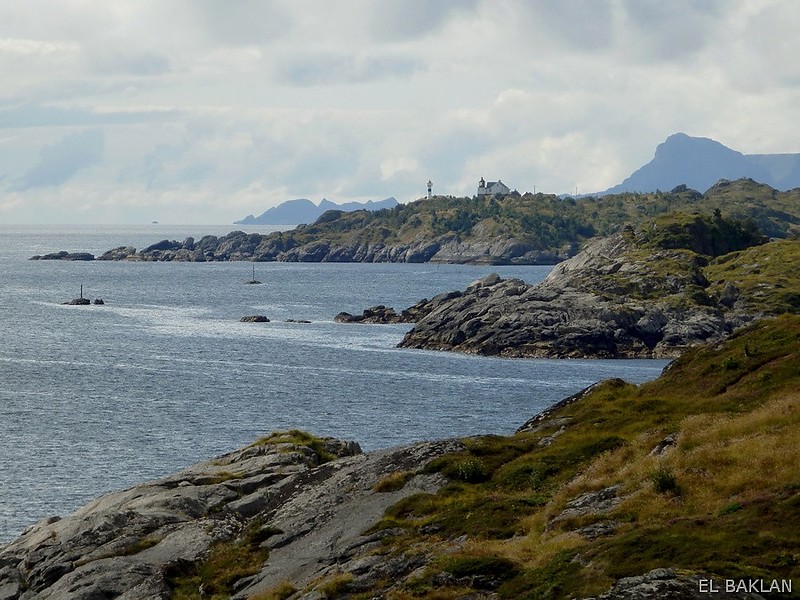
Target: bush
[470, 470]
[730, 363]
[664, 481]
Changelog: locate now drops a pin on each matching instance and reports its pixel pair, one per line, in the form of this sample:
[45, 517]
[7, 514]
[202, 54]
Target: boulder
[119, 253]
[254, 319]
[78, 302]
[376, 314]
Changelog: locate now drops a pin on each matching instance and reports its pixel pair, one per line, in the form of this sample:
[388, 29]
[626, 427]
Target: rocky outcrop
[307, 502]
[612, 300]
[381, 314]
[254, 319]
[238, 245]
[668, 583]
[78, 302]
[375, 314]
[64, 255]
[496, 251]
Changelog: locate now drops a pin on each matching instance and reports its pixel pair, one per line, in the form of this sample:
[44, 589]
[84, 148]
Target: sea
[99, 398]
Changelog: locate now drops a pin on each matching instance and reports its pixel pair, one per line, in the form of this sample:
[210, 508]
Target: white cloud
[62, 160]
[209, 111]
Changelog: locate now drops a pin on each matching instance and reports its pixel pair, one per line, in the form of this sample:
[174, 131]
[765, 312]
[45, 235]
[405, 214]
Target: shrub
[470, 470]
[664, 481]
[730, 363]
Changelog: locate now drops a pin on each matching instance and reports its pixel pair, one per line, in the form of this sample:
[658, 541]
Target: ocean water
[99, 398]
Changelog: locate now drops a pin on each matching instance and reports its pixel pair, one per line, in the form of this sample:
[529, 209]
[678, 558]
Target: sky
[205, 111]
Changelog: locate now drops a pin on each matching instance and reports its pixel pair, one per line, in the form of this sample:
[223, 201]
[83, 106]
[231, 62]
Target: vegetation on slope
[698, 471]
[698, 260]
[546, 222]
[723, 501]
[767, 278]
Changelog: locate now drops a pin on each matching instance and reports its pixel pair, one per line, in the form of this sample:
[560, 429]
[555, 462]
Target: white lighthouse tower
[430, 187]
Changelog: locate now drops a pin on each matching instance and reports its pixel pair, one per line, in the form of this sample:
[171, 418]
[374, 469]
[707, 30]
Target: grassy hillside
[723, 500]
[697, 471]
[767, 278]
[696, 260]
[546, 222]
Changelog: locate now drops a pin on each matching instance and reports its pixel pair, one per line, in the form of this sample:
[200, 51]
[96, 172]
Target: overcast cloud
[199, 111]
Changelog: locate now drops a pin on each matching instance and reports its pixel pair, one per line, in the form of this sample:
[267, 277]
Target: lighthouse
[430, 186]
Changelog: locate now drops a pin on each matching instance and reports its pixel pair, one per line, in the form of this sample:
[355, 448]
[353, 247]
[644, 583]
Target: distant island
[302, 210]
[521, 229]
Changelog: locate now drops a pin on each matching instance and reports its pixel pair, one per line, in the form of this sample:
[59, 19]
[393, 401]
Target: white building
[492, 187]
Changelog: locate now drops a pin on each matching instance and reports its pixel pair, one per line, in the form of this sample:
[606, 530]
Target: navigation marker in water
[253, 280]
[78, 301]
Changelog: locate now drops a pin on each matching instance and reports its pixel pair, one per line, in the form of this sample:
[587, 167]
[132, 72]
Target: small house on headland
[490, 188]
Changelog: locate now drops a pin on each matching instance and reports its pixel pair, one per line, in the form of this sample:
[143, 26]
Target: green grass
[298, 438]
[767, 277]
[723, 501]
[226, 563]
[393, 482]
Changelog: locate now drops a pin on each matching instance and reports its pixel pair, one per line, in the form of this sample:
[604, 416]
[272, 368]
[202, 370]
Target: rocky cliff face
[615, 299]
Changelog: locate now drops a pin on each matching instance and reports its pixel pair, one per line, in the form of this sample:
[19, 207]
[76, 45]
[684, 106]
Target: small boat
[253, 281]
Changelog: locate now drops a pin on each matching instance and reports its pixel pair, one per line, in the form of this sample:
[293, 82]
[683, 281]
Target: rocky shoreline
[290, 516]
[241, 246]
[307, 501]
[613, 300]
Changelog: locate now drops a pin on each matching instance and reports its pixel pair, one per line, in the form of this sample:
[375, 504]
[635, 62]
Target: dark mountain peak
[700, 162]
[679, 143]
[303, 210]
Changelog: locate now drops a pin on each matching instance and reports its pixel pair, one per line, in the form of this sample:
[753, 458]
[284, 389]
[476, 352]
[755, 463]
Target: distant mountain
[700, 162]
[302, 210]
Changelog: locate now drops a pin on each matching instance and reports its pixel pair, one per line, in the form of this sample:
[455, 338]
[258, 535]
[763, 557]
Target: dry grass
[393, 481]
[280, 592]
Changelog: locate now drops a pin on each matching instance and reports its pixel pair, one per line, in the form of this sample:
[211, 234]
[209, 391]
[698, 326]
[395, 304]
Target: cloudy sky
[204, 111]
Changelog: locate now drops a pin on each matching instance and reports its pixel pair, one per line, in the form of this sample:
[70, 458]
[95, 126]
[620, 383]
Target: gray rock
[78, 302]
[377, 314]
[664, 445]
[64, 255]
[602, 303]
[119, 253]
[590, 503]
[122, 544]
[660, 584]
